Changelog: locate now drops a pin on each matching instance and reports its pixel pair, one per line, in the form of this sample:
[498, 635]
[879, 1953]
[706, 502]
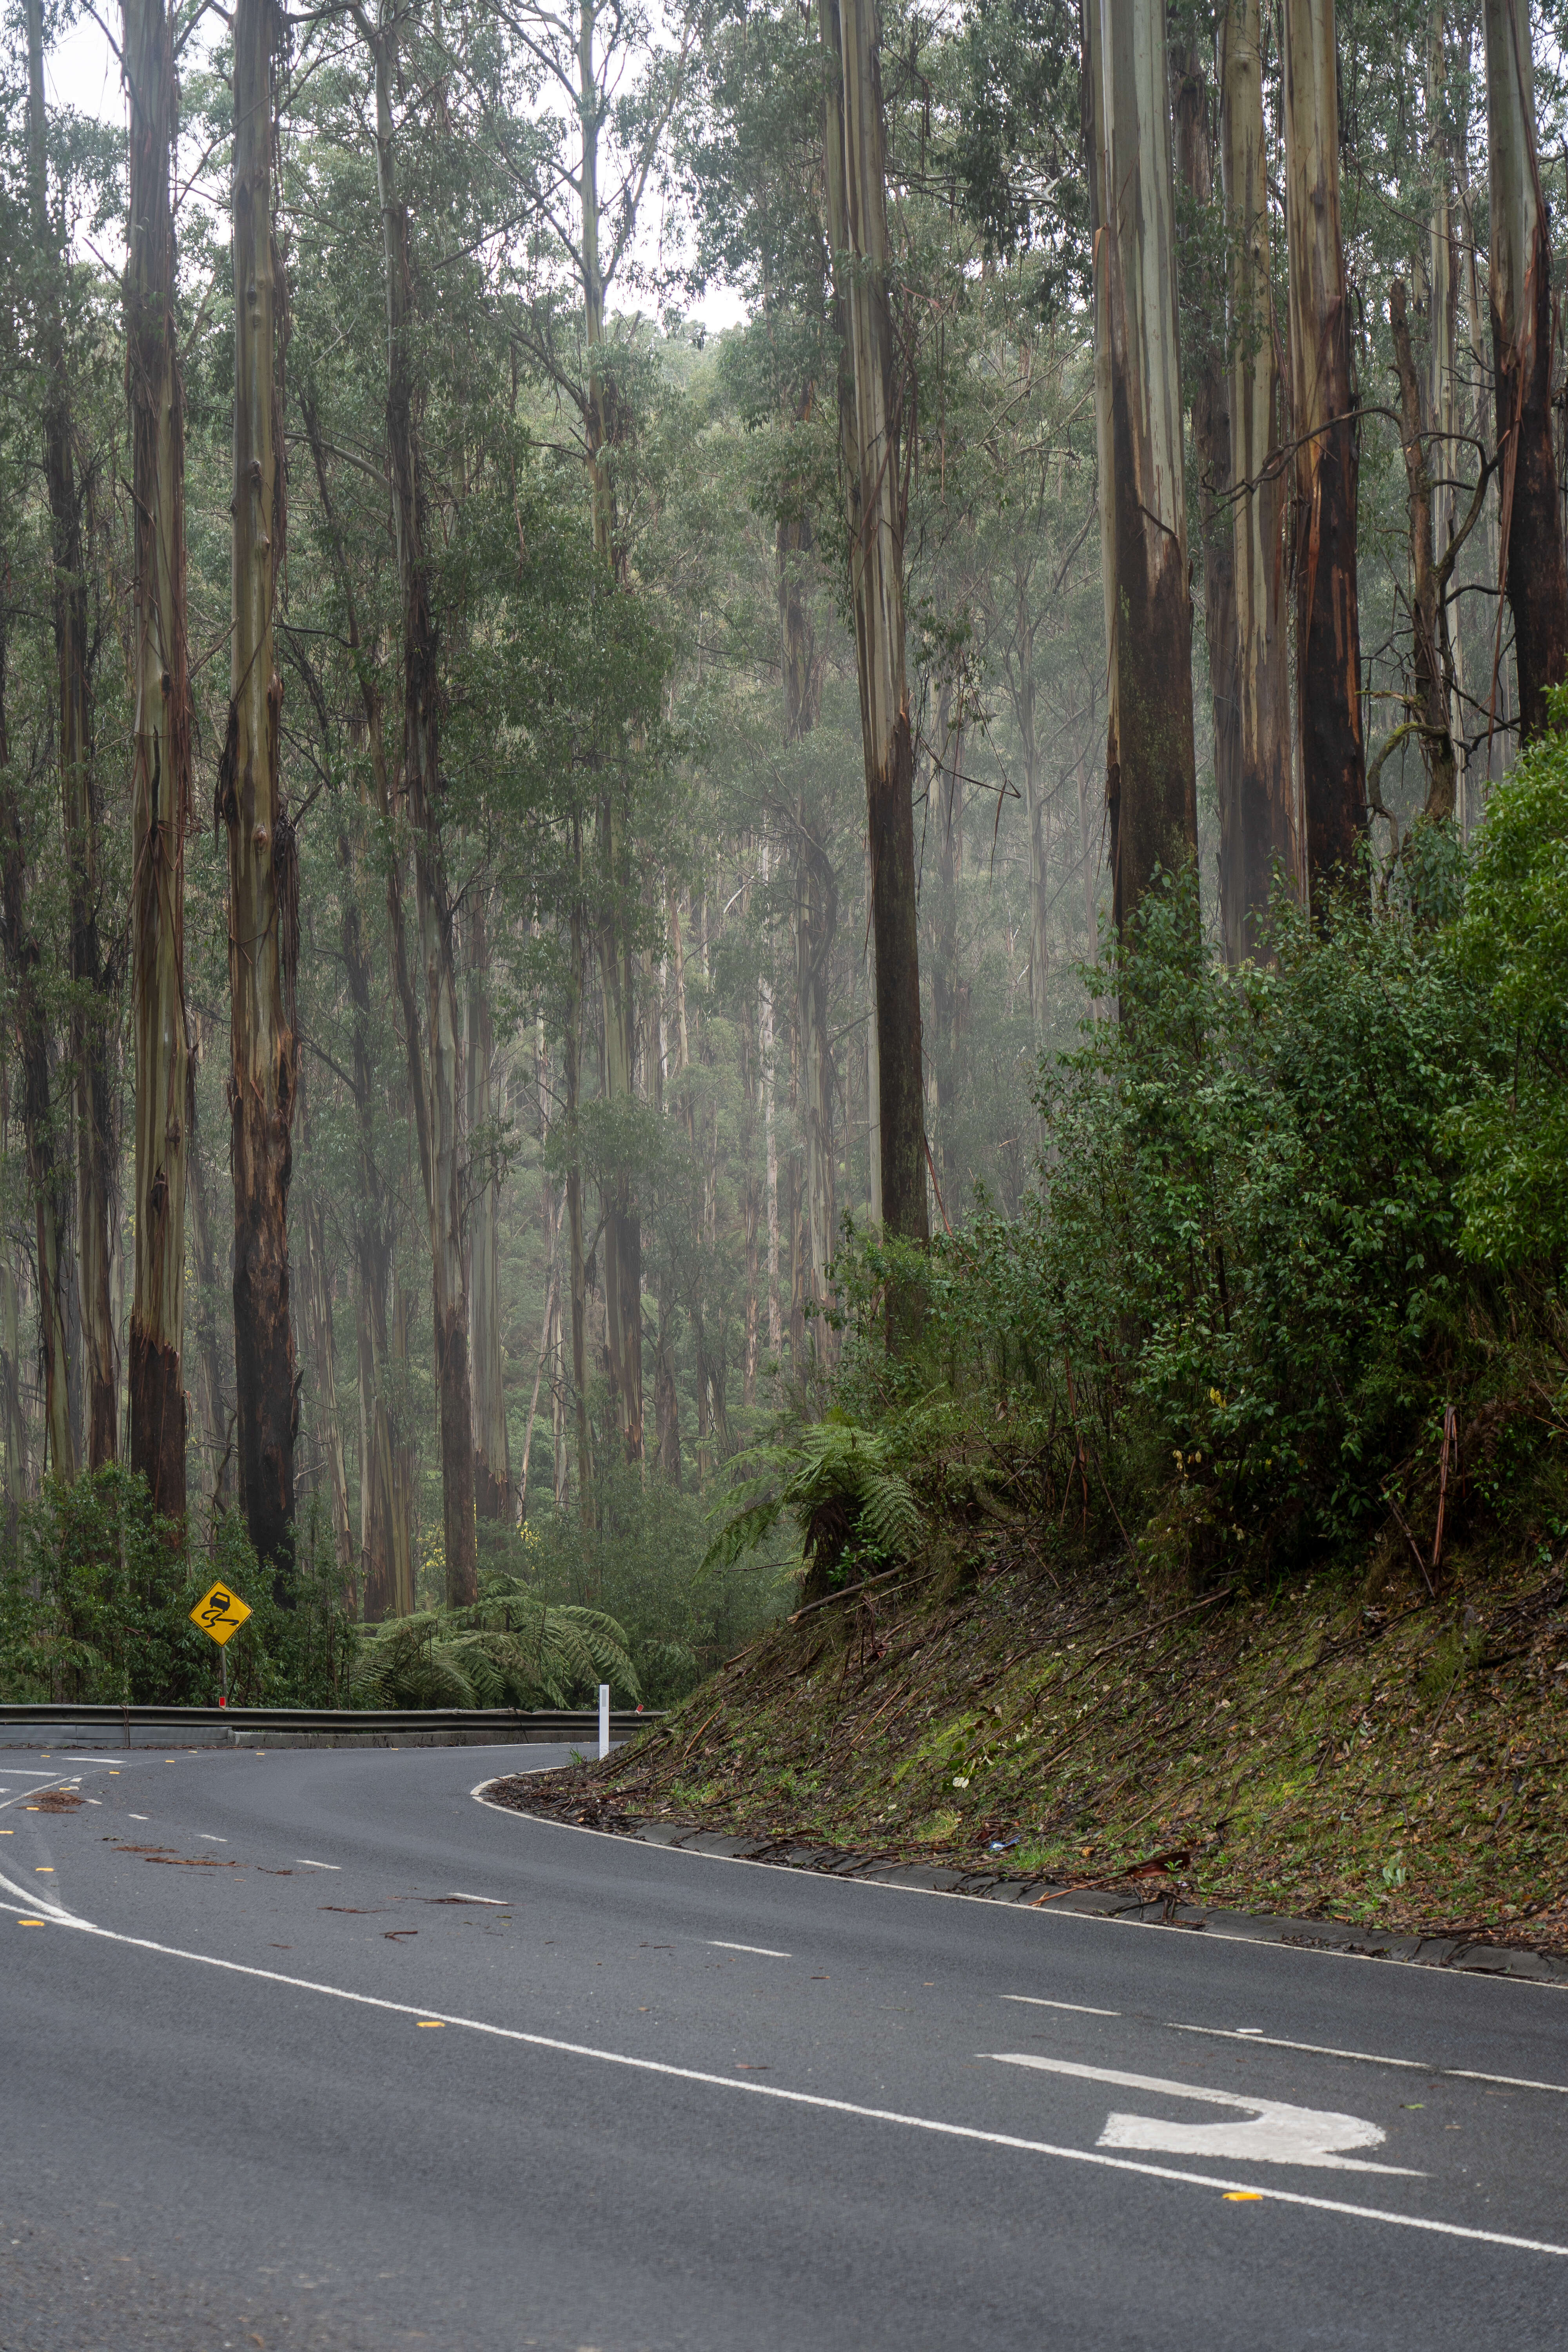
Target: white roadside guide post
[603, 1721]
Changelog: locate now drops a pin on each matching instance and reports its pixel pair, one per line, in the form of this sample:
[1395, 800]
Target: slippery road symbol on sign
[220, 1612]
[1273, 2133]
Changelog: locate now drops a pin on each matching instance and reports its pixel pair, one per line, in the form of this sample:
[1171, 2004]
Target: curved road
[316, 2049]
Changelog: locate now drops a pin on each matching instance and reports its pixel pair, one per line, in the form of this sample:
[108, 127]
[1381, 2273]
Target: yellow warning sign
[220, 1612]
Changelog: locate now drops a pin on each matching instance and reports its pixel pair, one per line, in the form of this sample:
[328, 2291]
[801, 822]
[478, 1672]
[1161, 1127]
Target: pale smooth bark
[1520, 290]
[263, 869]
[1328, 625]
[324, 1352]
[1432, 659]
[1262, 831]
[161, 770]
[1150, 770]
[214, 1374]
[871, 394]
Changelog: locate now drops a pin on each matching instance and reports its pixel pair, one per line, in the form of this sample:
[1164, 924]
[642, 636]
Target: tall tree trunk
[870, 398]
[571, 1061]
[404, 1593]
[91, 1011]
[441, 1139]
[1262, 831]
[1521, 281]
[816, 914]
[214, 1402]
[950, 991]
[1441, 391]
[1433, 663]
[766, 1044]
[324, 1353]
[263, 869]
[1151, 774]
[385, 1562]
[1193, 114]
[47, 1180]
[161, 778]
[1328, 626]
[492, 1470]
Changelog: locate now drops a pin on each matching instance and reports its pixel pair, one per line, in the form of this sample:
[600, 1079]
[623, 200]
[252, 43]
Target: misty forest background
[531, 1020]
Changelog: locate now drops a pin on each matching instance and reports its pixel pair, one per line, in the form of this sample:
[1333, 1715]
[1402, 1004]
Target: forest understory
[1354, 1748]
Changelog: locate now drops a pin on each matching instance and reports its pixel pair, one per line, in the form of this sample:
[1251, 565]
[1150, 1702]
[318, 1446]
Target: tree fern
[509, 1648]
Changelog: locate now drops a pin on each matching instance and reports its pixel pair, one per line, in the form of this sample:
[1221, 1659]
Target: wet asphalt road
[316, 2050]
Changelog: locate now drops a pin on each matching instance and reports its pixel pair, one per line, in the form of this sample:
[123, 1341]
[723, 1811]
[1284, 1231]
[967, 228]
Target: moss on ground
[1353, 1747]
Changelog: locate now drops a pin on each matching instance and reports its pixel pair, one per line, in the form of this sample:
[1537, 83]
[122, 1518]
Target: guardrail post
[603, 1721]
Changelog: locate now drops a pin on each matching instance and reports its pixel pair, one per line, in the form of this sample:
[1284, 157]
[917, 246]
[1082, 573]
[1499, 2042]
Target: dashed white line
[208, 1838]
[304, 1863]
[1366, 2057]
[495, 1901]
[1080, 2008]
[763, 1951]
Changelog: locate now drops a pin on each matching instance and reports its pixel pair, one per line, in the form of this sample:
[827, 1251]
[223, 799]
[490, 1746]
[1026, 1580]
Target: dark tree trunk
[441, 1139]
[1432, 662]
[1520, 276]
[263, 869]
[160, 788]
[1194, 144]
[870, 399]
[1328, 624]
[91, 1011]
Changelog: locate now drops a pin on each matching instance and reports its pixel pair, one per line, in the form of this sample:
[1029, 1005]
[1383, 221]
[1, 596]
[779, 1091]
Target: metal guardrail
[556, 1726]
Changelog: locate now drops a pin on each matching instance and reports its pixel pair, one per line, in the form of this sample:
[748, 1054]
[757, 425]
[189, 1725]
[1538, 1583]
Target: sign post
[221, 1614]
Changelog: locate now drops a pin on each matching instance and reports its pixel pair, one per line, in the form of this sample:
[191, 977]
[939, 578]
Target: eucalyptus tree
[1258, 827]
[872, 395]
[263, 869]
[1324, 424]
[1150, 770]
[91, 981]
[1519, 282]
[161, 778]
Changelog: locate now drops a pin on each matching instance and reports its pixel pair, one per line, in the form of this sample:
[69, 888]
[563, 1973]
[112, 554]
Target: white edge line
[1025, 1910]
[808, 2098]
[1080, 2008]
[1367, 2057]
[763, 1951]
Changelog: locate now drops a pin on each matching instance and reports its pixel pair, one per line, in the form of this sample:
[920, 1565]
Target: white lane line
[304, 1863]
[208, 1838]
[1080, 2008]
[763, 1951]
[1366, 2057]
[136, 1817]
[751, 2089]
[495, 1901]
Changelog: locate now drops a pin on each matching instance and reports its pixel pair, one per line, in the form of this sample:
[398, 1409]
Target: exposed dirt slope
[1350, 1748]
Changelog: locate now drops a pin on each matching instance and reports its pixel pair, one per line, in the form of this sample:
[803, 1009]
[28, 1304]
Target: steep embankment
[1352, 1749]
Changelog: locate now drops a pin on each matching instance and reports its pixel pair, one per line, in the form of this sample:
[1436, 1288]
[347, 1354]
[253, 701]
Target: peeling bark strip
[1262, 828]
[1150, 767]
[160, 777]
[1521, 280]
[437, 1087]
[1328, 627]
[91, 1012]
[875, 495]
[263, 871]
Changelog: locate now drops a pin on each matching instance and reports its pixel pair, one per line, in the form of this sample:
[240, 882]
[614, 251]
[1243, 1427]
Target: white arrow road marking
[1274, 2133]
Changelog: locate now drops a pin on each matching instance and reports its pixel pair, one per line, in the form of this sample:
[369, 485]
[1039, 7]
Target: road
[315, 2049]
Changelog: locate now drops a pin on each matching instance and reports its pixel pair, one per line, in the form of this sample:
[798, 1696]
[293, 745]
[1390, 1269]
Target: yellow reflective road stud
[220, 1612]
